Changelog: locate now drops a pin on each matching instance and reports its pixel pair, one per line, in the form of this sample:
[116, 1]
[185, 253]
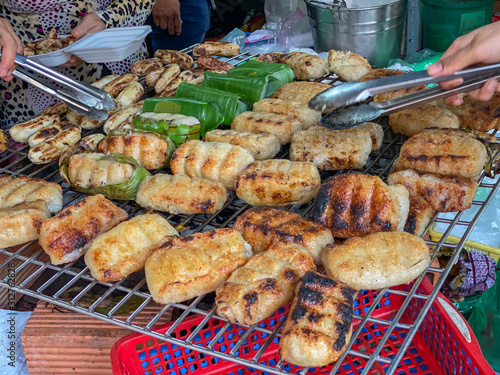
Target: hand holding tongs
[344, 95]
[81, 97]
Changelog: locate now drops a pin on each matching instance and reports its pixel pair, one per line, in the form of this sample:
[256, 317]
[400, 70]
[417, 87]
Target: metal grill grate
[15, 163]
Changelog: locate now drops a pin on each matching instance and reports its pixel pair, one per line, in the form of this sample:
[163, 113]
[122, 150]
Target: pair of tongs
[81, 97]
[347, 115]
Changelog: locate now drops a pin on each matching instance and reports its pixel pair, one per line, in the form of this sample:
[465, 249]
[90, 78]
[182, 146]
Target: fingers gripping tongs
[342, 97]
[81, 97]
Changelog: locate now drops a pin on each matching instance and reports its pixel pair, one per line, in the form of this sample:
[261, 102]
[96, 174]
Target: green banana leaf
[253, 68]
[230, 105]
[251, 89]
[208, 113]
[174, 130]
[123, 191]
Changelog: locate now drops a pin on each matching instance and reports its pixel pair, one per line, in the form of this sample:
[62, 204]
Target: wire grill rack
[30, 256]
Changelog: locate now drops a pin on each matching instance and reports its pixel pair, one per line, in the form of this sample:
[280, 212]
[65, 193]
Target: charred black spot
[298, 313]
[313, 279]
[358, 209]
[106, 273]
[259, 120]
[315, 317]
[250, 298]
[251, 176]
[78, 242]
[347, 293]
[384, 225]
[309, 297]
[341, 329]
[307, 331]
[411, 223]
[308, 63]
[290, 275]
[298, 238]
[270, 284]
[206, 205]
[63, 213]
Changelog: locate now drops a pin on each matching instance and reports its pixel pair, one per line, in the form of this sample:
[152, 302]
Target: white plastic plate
[104, 46]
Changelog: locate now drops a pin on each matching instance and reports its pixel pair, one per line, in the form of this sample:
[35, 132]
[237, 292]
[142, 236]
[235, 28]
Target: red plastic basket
[438, 347]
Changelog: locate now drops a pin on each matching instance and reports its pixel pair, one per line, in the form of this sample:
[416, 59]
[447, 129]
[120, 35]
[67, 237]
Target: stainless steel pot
[372, 28]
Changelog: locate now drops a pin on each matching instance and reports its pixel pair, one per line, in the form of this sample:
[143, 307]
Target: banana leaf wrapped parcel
[115, 176]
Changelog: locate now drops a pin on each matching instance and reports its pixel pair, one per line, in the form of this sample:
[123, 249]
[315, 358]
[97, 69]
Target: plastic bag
[294, 31]
[235, 36]
[276, 10]
[485, 323]
[420, 60]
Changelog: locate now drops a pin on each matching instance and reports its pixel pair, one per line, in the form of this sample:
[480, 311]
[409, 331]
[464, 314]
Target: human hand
[167, 15]
[477, 47]
[91, 23]
[10, 45]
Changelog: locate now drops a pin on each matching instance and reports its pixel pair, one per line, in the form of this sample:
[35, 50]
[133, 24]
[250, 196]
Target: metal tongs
[81, 97]
[345, 95]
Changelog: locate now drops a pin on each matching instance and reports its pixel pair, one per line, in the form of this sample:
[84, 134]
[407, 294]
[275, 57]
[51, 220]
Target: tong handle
[432, 94]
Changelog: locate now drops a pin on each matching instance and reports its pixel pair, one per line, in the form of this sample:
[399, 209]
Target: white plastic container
[104, 46]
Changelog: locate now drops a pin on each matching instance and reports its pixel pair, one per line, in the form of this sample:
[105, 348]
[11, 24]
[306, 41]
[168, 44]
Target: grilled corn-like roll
[443, 193]
[144, 67]
[378, 260]
[282, 126]
[189, 266]
[319, 323]
[305, 66]
[25, 189]
[262, 146]
[263, 226]
[216, 49]
[54, 147]
[22, 132]
[214, 161]
[356, 204]
[151, 150]
[21, 223]
[332, 149]
[181, 194]
[124, 249]
[447, 152]
[175, 57]
[306, 116]
[278, 182]
[266, 282]
[68, 235]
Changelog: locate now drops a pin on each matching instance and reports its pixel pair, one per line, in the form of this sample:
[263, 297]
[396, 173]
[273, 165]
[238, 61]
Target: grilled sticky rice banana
[151, 150]
[21, 132]
[214, 161]
[21, 223]
[171, 72]
[443, 193]
[190, 266]
[54, 147]
[44, 133]
[381, 73]
[90, 142]
[74, 117]
[377, 260]
[154, 76]
[347, 65]
[332, 149]
[419, 217]
[264, 284]
[216, 49]
[278, 182]
[282, 126]
[58, 108]
[305, 66]
[171, 89]
[300, 91]
[413, 120]
[319, 323]
[130, 94]
[179, 194]
[306, 116]
[263, 226]
[25, 189]
[448, 152]
[356, 204]
[262, 146]
[68, 235]
[123, 115]
[87, 123]
[270, 57]
[116, 86]
[100, 83]
[124, 249]
[144, 67]
[175, 57]
[213, 65]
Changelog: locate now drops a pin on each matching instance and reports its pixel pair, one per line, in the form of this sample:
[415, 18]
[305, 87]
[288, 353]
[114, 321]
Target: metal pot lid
[352, 4]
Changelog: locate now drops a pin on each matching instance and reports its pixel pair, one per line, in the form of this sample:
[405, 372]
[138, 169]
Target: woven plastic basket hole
[139, 347]
[150, 343]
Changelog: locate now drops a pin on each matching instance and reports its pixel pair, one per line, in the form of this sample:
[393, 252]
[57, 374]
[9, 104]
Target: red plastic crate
[438, 347]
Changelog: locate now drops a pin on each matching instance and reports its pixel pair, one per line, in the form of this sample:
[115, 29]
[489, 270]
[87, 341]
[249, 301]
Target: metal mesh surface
[75, 276]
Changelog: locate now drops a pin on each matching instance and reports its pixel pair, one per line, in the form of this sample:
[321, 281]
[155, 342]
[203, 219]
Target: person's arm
[480, 46]
[167, 15]
[10, 45]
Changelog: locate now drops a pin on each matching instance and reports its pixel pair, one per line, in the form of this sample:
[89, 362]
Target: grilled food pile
[364, 232]
[50, 43]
